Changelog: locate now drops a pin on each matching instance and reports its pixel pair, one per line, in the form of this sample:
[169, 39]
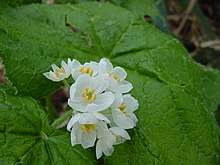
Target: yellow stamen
[94, 97]
[88, 128]
[92, 91]
[90, 72]
[122, 108]
[85, 99]
[111, 74]
[83, 127]
[117, 139]
[81, 69]
[89, 95]
[62, 70]
[56, 73]
[87, 89]
[58, 70]
[85, 70]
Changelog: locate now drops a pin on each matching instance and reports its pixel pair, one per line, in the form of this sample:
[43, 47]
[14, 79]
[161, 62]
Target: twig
[215, 44]
[186, 16]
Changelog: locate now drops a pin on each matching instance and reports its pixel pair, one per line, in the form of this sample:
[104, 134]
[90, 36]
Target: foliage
[176, 95]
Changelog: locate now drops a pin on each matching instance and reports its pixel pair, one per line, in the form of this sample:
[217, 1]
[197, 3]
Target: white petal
[124, 86]
[130, 102]
[121, 119]
[99, 84]
[109, 139]
[50, 75]
[88, 118]
[76, 64]
[76, 135]
[88, 140]
[117, 101]
[69, 62]
[92, 65]
[102, 117]
[108, 150]
[66, 68]
[112, 84]
[79, 106]
[72, 90]
[104, 101]
[73, 120]
[54, 66]
[134, 118]
[101, 128]
[75, 74]
[120, 72]
[105, 144]
[82, 82]
[64, 64]
[98, 149]
[120, 132]
[91, 107]
[104, 66]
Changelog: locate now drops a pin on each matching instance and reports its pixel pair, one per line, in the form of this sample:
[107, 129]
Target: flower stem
[107, 111]
[62, 118]
[66, 83]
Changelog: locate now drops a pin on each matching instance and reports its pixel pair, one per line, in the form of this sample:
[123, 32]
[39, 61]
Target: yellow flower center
[57, 71]
[111, 74]
[89, 95]
[122, 108]
[87, 128]
[85, 70]
[117, 138]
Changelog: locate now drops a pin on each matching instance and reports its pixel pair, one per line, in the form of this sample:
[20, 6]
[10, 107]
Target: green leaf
[27, 138]
[155, 9]
[20, 2]
[8, 86]
[176, 95]
[5, 83]
[140, 7]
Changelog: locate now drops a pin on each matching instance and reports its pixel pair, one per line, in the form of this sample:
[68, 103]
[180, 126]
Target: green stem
[66, 83]
[62, 118]
[107, 111]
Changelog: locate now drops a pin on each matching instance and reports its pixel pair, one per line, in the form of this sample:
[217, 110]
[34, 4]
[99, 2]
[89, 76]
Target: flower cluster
[102, 110]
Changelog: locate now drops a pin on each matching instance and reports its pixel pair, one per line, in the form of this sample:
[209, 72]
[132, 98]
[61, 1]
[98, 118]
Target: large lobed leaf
[27, 138]
[176, 95]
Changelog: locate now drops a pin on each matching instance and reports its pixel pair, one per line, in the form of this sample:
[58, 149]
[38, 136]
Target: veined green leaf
[27, 137]
[176, 95]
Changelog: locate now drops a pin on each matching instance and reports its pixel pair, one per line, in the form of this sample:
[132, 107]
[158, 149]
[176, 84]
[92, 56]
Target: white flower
[122, 111]
[115, 76]
[86, 94]
[88, 68]
[59, 74]
[105, 144]
[108, 138]
[120, 135]
[86, 118]
[84, 132]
